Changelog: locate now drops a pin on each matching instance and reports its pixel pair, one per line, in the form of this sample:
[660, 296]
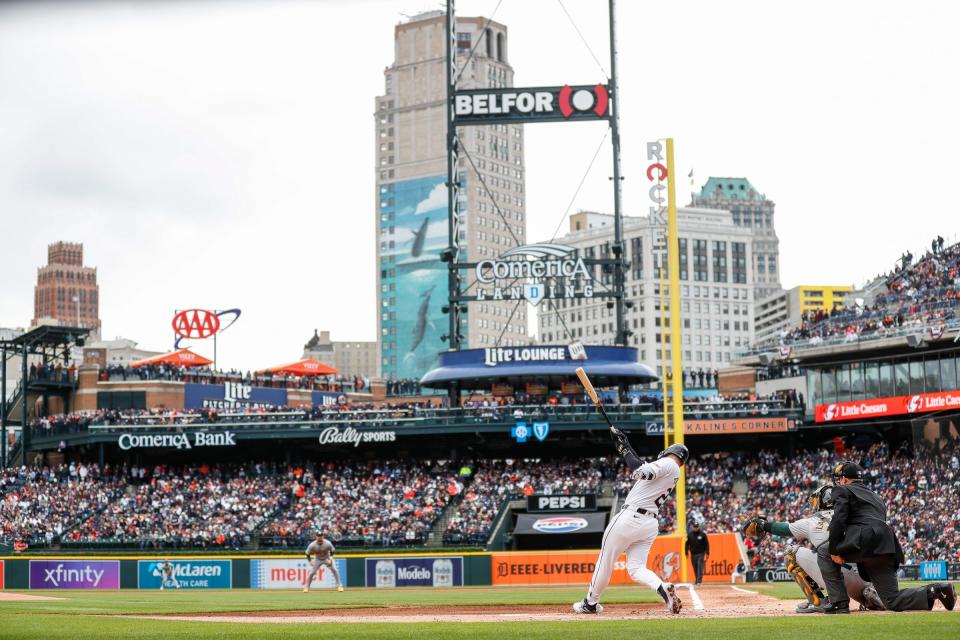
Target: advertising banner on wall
[539, 503]
[189, 574]
[880, 407]
[327, 398]
[576, 567]
[291, 573]
[547, 524]
[231, 396]
[414, 572]
[74, 574]
[758, 424]
[414, 232]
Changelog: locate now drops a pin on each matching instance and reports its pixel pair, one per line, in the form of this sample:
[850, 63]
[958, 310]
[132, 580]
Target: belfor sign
[540, 104]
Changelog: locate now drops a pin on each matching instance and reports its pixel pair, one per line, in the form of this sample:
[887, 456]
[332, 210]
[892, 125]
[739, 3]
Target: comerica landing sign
[554, 269]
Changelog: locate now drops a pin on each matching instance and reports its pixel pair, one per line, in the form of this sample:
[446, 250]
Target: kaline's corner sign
[539, 104]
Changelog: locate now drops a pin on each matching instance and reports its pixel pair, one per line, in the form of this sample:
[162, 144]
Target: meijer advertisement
[291, 573]
[415, 572]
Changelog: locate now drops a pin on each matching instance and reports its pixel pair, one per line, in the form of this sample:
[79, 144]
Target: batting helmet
[822, 498]
[678, 450]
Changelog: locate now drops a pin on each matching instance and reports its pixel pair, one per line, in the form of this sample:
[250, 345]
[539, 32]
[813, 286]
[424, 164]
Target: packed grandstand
[921, 296]
[393, 503]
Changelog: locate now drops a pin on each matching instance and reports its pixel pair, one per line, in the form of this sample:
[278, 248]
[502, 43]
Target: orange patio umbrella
[305, 367]
[183, 357]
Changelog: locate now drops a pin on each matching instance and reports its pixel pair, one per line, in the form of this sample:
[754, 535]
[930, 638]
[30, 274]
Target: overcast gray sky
[221, 154]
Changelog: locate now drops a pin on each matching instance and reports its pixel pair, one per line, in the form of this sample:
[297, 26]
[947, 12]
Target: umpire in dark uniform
[859, 533]
[698, 548]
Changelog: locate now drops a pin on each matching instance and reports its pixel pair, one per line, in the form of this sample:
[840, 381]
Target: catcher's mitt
[755, 528]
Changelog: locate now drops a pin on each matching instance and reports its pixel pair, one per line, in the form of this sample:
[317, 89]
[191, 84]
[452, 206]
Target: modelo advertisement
[576, 567]
[74, 574]
[291, 573]
[414, 572]
[189, 574]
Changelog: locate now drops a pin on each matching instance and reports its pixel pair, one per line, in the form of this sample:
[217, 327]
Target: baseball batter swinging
[320, 553]
[635, 526]
[801, 562]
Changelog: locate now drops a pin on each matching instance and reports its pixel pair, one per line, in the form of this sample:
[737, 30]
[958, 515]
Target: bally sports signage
[351, 436]
[538, 503]
[880, 407]
[129, 441]
[551, 271]
[538, 104]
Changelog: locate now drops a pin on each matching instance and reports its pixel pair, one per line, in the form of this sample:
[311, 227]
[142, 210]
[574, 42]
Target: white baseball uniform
[816, 529]
[320, 555]
[633, 529]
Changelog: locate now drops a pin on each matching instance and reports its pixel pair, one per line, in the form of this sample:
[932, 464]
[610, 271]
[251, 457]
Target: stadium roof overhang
[480, 369]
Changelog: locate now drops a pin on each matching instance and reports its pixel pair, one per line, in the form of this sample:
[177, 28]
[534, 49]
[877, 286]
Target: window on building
[684, 275]
[700, 260]
[719, 261]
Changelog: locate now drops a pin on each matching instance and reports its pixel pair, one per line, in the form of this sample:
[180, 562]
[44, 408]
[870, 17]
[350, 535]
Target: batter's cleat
[673, 600]
[871, 599]
[306, 590]
[340, 589]
[946, 593]
[585, 607]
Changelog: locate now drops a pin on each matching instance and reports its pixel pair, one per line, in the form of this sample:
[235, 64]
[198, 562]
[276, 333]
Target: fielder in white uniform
[320, 553]
[166, 575]
[634, 528]
[801, 562]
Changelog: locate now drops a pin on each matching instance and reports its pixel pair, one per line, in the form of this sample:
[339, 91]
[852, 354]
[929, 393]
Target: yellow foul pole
[676, 343]
[663, 360]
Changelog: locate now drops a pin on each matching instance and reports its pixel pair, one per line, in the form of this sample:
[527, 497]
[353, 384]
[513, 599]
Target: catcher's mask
[822, 498]
[678, 450]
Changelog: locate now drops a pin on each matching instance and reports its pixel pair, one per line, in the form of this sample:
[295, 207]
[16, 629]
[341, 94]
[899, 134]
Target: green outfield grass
[85, 614]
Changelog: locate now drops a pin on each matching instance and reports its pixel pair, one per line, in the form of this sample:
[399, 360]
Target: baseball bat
[588, 387]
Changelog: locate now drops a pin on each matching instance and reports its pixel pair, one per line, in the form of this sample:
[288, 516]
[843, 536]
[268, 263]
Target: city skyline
[194, 175]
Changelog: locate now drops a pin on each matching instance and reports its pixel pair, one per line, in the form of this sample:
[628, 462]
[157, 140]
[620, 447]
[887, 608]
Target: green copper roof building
[753, 210]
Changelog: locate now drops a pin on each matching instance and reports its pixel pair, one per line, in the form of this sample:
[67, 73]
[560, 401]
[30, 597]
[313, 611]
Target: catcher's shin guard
[807, 584]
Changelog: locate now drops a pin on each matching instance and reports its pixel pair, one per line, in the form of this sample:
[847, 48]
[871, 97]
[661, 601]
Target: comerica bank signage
[177, 440]
[550, 270]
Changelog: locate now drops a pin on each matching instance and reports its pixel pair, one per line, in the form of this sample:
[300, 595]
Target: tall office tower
[411, 194]
[752, 210]
[716, 290]
[66, 290]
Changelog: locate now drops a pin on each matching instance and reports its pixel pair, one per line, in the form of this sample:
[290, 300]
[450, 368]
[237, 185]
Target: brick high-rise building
[66, 290]
[411, 203]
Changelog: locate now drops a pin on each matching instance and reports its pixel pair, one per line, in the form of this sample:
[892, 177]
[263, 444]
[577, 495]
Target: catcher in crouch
[802, 562]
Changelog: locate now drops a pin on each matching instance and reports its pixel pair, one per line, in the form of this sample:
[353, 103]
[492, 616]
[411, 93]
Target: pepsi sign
[541, 104]
[560, 525]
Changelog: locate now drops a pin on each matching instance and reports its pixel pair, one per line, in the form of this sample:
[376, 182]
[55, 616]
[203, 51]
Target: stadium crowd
[924, 295]
[359, 503]
[397, 503]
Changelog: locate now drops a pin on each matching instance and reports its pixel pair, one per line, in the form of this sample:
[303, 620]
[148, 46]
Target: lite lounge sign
[553, 271]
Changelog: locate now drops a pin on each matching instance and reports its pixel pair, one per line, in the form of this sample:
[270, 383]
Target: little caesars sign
[534, 272]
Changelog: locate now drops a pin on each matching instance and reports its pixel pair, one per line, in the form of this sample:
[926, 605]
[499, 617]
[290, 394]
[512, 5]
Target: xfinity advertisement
[74, 574]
